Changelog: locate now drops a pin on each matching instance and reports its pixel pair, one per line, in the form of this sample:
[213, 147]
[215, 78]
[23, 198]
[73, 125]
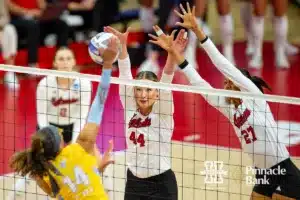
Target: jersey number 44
[137, 139]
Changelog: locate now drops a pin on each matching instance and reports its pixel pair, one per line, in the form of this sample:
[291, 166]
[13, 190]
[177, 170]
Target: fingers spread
[111, 29]
[194, 10]
[178, 14]
[158, 30]
[153, 36]
[188, 7]
[173, 33]
[182, 9]
[181, 24]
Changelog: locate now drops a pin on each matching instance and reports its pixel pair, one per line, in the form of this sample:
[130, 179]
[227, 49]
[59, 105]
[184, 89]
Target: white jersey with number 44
[148, 137]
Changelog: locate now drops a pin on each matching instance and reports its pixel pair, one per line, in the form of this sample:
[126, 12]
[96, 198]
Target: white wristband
[185, 35]
[159, 33]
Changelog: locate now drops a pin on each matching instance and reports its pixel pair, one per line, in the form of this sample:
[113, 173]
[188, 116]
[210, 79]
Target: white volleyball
[100, 41]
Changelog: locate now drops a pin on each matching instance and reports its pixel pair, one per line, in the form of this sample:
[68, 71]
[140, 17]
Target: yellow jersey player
[74, 170]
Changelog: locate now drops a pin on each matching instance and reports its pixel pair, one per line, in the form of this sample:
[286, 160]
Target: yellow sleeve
[72, 149]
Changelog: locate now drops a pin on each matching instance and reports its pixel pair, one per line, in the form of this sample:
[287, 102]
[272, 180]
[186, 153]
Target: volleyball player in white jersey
[252, 119]
[149, 128]
[63, 102]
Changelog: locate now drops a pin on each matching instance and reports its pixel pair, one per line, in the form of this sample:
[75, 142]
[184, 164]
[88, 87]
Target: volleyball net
[205, 154]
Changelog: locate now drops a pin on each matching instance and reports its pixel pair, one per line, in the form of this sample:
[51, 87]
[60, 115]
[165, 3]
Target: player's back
[81, 178]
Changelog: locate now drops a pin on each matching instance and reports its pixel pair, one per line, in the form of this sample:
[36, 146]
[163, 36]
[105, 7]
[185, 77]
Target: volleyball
[99, 41]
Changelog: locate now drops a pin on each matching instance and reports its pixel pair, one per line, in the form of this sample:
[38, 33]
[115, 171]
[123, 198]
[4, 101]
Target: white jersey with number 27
[253, 120]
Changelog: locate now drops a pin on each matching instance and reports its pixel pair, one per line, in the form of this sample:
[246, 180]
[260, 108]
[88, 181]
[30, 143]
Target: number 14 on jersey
[80, 178]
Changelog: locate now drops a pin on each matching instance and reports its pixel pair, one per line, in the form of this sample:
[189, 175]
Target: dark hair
[259, 82]
[34, 160]
[147, 75]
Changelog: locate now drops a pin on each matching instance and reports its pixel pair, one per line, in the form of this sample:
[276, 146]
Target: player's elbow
[87, 137]
[86, 143]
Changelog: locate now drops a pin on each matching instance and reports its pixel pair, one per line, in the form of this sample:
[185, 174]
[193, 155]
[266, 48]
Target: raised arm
[165, 104]
[41, 103]
[222, 64]
[196, 80]
[87, 137]
[226, 68]
[126, 92]
[175, 58]
[123, 60]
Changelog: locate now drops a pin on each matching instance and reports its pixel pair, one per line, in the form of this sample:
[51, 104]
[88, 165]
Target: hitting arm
[126, 92]
[88, 135]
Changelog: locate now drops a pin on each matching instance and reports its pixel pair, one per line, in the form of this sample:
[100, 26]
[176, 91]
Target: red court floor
[193, 116]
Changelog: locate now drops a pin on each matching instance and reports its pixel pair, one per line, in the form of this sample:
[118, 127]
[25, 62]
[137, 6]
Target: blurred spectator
[246, 17]
[83, 8]
[104, 13]
[147, 19]
[8, 41]
[280, 24]
[95, 13]
[28, 18]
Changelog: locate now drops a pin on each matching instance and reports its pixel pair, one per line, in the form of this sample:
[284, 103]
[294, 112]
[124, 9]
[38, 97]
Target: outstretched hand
[121, 36]
[188, 17]
[109, 54]
[106, 159]
[164, 41]
[181, 41]
[167, 42]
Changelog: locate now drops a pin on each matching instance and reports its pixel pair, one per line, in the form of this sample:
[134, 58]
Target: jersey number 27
[80, 178]
[247, 132]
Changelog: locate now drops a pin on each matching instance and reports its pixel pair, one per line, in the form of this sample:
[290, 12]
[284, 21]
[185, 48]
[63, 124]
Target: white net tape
[158, 85]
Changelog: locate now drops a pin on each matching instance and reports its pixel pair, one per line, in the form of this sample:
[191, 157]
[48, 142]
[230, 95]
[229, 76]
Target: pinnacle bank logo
[260, 176]
[214, 172]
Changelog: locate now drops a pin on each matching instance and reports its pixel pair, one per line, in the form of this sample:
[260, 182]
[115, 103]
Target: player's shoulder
[82, 84]
[74, 149]
[48, 81]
